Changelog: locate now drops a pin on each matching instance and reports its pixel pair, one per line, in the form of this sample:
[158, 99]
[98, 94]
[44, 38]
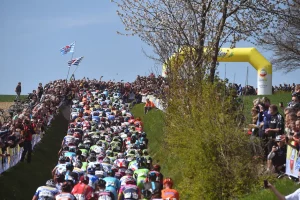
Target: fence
[15, 154]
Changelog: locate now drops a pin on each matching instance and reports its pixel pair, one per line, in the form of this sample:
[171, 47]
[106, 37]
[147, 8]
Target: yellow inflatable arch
[251, 55]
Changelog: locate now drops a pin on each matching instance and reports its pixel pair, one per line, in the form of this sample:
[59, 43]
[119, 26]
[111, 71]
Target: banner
[157, 102]
[292, 162]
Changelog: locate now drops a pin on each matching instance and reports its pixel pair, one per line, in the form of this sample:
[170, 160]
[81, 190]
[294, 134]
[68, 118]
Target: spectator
[148, 106]
[18, 91]
[40, 91]
[28, 131]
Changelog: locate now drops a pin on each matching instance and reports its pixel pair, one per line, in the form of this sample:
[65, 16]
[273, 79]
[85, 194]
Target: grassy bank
[21, 181]
[153, 126]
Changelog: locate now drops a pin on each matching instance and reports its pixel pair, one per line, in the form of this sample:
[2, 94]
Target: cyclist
[101, 193]
[46, 192]
[93, 179]
[129, 191]
[128, 173]
[112, 183]
[65, 194]
[141, 173]
[168, 192]
[82, 190]
[152, 189]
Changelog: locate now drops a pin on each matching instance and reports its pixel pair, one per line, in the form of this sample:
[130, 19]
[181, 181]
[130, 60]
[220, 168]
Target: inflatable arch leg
[251, 55]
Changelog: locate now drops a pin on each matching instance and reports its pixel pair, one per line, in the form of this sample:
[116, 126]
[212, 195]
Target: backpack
[105, 195]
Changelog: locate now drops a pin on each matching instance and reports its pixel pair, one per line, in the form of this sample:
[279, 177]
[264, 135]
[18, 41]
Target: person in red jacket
[82, 190]
[28, 131]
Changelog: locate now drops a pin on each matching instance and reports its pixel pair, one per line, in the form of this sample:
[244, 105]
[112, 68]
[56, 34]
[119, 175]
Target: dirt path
[5, 105]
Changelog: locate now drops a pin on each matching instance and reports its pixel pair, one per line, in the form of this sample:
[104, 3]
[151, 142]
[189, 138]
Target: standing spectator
[18, 90]
[40, 90]
[27, 134]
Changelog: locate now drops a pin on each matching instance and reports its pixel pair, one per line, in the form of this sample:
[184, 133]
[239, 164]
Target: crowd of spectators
[275, 130]
[23, 124]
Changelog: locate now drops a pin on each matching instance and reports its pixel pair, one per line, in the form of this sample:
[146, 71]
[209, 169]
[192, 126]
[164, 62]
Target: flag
[75, 61]
[72, 78]
[68, 49]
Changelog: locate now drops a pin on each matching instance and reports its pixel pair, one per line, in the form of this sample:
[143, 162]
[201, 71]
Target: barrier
[157, 102]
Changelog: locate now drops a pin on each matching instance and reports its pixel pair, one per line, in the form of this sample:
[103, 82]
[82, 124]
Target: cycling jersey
[46, 192]
[130, 192]
[120, 162]
[112, 184]
[65, 196]
[123, 179]
[170, 194]
[93, 180]
[140, 176]
[152, 190]
[82, 191]
[104, 195]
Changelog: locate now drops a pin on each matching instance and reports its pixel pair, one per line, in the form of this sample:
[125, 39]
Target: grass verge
[10, 98]
[21, 181]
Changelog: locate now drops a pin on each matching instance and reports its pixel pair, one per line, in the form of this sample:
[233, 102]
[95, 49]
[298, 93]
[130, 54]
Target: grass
[21, 181]
[284, 186]
[10, 98]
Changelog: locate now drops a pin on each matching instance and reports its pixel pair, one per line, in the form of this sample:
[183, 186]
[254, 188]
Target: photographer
[277, 156]
[294, 196]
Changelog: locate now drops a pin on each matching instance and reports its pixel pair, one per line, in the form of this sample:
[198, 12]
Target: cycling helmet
[91, 170]
[106, 160]
[69, 167]
[50, 183]
[120, 156]
[110, 172]
[62, 159]
[168, 181]
[144, 134]
[66, 148]
[101, 183]
[72, 126]
[130, 180]
[85, 179]
[78, 164]
[109, 153]
[145, 152]
[92, 158]
[129, 172]
[152, 176]
[156, 167]
[81, 146]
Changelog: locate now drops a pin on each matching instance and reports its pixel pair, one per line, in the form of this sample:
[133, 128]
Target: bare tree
[284, 40]
[170, 25]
